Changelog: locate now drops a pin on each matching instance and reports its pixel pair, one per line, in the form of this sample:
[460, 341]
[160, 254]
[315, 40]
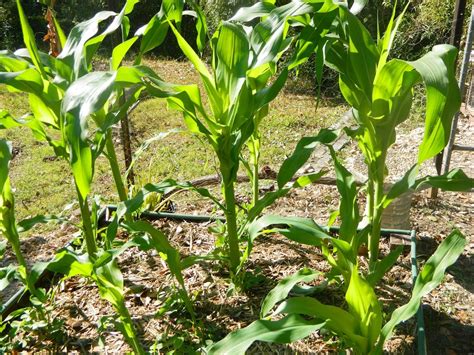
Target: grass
[44, 185]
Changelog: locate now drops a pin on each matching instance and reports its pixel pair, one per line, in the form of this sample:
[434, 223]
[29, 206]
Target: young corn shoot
[239, 90]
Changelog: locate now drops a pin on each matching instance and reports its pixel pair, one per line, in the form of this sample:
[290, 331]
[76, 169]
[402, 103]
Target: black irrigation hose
[169, 215]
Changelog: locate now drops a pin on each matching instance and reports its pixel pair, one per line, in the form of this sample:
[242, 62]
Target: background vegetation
[427, 21]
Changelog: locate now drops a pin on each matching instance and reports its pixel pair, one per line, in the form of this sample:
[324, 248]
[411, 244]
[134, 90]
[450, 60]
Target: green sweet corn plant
[359, 326]
[380, 92]
[238, 90]
[68, 101]
[28, 275]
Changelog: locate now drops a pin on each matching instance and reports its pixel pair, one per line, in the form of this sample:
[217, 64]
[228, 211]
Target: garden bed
[148, 284]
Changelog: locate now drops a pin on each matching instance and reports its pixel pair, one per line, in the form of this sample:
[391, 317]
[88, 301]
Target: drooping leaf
[70, 263]
[246, 14]
[28, 223]
[430, 276]
[72, 61]
[301, 154]
[301, 230]
[284, 287]
[28, 80]
[286, 330]
[443, 98]
[455, 180]
[336, 319]
[7, 275]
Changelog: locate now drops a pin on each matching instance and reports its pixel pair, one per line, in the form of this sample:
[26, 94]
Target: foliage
[380, 92]
[239, 93]
[359, 327]
[67, 101]
[74, 109]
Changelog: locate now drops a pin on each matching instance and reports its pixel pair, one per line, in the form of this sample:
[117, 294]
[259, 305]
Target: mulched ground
[448, 310]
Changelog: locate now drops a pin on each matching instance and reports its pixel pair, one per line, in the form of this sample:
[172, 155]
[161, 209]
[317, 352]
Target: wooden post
[124, 122]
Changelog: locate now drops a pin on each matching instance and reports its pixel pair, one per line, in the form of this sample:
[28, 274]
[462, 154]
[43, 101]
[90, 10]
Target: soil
[448, 310]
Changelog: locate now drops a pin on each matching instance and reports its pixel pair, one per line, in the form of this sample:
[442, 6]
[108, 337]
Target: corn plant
[359, 327]
[381, 95]
[380, 92]
[239, 91]
[67, 98]
[9, 230]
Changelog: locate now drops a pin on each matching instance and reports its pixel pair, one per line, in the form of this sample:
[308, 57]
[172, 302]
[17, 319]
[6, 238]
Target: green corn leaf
[120, 51]
[268, 37]
[232, 53]
[29, 39]
[173, 10]
[455, 180]
[43, 112]
[186, 99]
[260, 9]
[88, 95]
[201, 26]
[358, 6]
[5, 158]
[271, 197]
[28, 80]
[301, 154]
[363, 55]
[311, 39]
[268, 94]
[81, 159]
[171, 255]
[3, 247]
[443, 98]
[283, 331]
[284, 287]
[11, 62]
[7, 275]
[385, 45]
[29, 223]
[153, 34]
[336, 319]
[206, 77]
[348, 207]
[70, 263]
[428, 279]
[109, 280]
[301, 230]
[383, 266]
[129, 6]
[83, 98]
[36, 271]
[162, 188]
[364, 306]
[72, 61]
